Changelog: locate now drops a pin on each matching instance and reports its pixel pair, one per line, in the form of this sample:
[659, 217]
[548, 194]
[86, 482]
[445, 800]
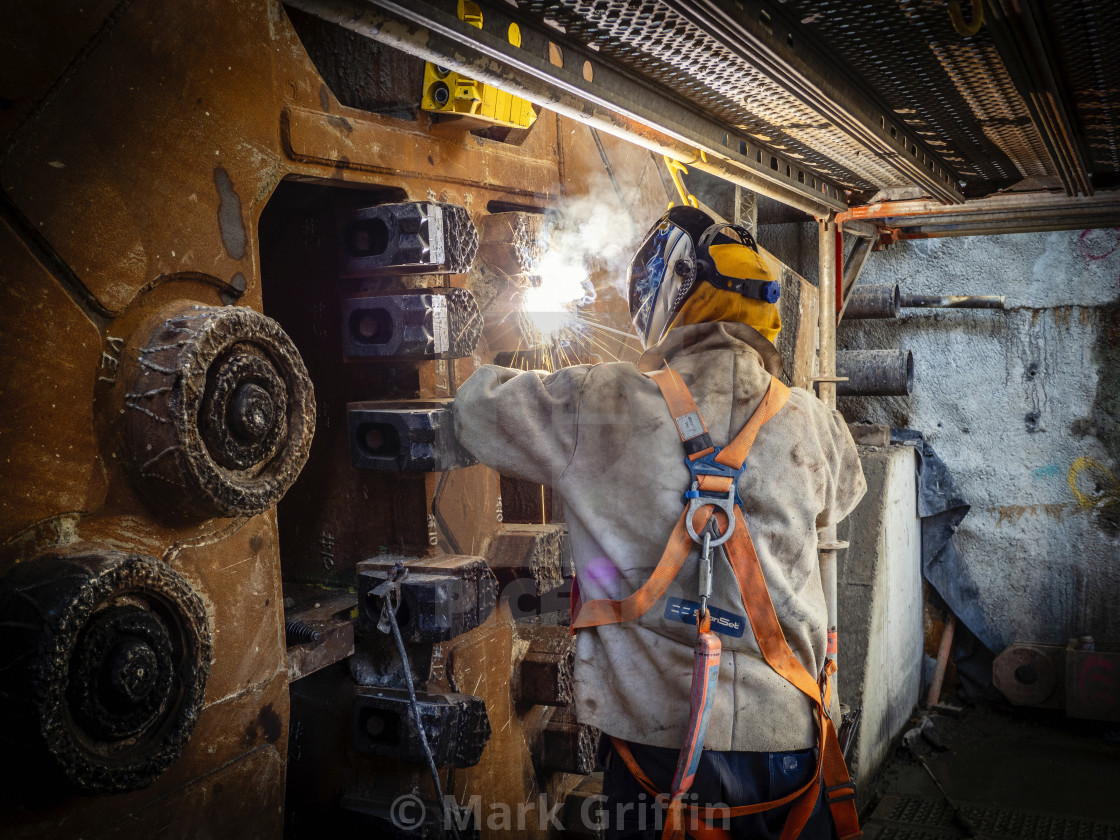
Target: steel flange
[219, 411]
[105, 657]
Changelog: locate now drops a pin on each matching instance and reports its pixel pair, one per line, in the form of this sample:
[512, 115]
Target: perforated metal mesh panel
[953, 90]
[664, 46]
[1087, 38]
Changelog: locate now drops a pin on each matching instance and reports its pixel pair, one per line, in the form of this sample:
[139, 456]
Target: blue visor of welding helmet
[663, 271]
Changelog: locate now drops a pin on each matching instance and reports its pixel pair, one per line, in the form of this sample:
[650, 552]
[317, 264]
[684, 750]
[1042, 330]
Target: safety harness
[713, 516]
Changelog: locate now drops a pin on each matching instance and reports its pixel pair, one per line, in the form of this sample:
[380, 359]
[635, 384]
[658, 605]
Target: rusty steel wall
[196, 398]
[142, 146]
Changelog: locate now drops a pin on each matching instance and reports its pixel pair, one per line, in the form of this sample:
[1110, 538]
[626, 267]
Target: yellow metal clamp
[447, 92]
[676, 170]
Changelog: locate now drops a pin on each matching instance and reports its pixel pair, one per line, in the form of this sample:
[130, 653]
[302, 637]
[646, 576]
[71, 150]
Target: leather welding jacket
[603, 438]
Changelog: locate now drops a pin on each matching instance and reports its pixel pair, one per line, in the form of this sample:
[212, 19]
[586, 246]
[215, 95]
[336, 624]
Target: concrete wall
[1024, 408]
[879, 596]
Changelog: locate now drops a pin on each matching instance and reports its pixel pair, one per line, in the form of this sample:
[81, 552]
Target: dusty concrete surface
[1021, 775]
[1022, 406]
[879, 596]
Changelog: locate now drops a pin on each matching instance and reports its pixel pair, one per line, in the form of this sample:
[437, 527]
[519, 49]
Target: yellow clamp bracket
[447, 92]
[676, 170]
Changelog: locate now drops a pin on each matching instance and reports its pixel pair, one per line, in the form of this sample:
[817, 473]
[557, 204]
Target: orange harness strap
[831, 769]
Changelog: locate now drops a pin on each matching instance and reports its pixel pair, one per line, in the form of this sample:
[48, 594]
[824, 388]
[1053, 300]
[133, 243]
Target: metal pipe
[826, 256]
[1006, 213]
[875, 373]
[953, 302]
[633, 117]
[826, 539]
[874, 301]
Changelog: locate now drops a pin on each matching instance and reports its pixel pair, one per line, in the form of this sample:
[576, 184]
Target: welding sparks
[588, 240]
[551, 307]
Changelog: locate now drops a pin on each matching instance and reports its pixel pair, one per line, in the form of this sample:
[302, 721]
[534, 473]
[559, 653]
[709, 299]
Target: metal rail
[587, 87]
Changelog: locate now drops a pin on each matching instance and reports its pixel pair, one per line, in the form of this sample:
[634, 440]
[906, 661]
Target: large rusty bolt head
[105, 657]
[244, 411]
[219, 411]
[122, 673]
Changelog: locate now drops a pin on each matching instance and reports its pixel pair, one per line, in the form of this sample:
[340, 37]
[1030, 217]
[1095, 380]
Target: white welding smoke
[591, 236]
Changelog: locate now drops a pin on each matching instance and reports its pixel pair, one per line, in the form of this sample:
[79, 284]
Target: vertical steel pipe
[828, 273]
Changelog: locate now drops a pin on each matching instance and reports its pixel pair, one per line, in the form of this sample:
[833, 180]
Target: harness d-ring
[696, 501]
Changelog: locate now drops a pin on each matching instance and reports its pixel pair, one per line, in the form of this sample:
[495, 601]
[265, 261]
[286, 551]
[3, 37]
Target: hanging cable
[390, 595]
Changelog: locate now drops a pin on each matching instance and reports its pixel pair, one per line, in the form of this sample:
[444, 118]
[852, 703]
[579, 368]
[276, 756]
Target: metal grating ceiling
[953, 90]
[962, 94]
[883, 111]
[662, 44]
[1087, 44]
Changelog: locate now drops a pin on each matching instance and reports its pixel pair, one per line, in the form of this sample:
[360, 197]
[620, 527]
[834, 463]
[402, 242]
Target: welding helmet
[687, 251]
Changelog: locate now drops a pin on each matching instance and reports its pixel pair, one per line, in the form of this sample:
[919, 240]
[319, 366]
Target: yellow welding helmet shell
[707, 303]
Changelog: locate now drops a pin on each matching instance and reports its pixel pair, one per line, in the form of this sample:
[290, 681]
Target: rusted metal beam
[456, 726]
[1008, 213]
[828, 236]
[529, 552]
[417, 324]
[589, 88]
[440, 598]
[566, 745]
[412, 436]
[544, 675]
[875, 373]
[955, 301]
[873, 301]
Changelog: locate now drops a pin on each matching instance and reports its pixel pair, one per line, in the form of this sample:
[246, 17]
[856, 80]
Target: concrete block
[880, 608]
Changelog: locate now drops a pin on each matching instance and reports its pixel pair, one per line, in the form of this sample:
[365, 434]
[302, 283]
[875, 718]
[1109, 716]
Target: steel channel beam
[1027, 52]
[615, 100]
[997, 214]
[821, 85]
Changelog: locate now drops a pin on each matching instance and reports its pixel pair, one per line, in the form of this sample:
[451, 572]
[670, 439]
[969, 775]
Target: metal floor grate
[905, 817]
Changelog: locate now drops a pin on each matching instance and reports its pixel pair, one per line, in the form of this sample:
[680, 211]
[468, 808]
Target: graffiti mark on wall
[1098, 244]
[1093, 484]
[1096, 488]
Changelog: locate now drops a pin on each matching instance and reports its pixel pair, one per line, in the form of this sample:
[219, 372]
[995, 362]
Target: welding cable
[448, 822]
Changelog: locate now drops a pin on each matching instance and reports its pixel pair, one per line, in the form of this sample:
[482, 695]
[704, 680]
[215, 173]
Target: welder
[693, 484]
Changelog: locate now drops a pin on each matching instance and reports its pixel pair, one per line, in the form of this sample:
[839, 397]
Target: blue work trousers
[723, 778]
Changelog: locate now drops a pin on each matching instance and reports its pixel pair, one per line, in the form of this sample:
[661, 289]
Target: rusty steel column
[827, 543]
